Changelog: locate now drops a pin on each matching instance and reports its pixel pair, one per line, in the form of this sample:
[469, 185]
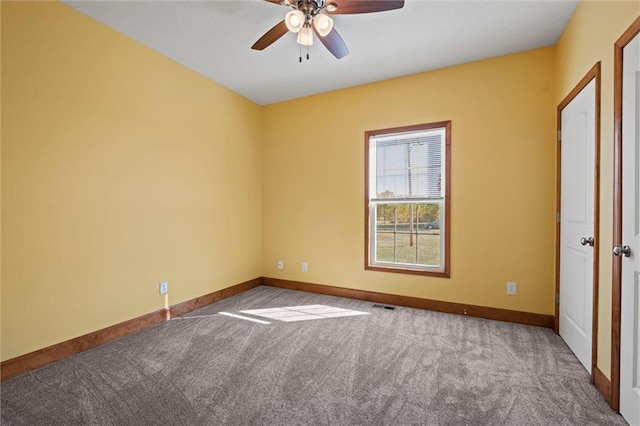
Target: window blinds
[410, 166]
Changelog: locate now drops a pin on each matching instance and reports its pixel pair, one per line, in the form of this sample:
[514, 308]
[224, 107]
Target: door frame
[592, 74]
[616, 284]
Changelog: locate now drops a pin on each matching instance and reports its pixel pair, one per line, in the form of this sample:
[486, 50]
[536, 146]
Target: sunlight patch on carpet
[303, 313]
[244, 318]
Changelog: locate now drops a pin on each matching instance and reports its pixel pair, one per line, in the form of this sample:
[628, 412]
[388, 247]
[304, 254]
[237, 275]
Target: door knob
[622, 251]
[587, 241]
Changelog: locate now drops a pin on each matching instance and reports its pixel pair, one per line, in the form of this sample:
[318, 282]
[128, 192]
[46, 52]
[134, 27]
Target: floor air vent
[391, 308]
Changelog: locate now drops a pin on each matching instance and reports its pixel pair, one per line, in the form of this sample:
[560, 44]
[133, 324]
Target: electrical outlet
[164, 287]
[512, 288]
[280, 264]
[305, 267]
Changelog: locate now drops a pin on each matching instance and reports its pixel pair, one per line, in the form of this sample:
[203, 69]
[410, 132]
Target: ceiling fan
[311, 16]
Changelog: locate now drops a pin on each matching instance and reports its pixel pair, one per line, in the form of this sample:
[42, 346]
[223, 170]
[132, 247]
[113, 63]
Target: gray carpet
[402, 366]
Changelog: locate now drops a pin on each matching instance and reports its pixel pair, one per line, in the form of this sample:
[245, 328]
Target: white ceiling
[214, 38]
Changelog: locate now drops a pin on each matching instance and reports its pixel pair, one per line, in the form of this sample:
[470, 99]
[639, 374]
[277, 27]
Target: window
[408, 199]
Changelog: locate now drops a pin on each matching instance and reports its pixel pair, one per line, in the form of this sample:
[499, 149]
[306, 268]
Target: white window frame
[372, 200]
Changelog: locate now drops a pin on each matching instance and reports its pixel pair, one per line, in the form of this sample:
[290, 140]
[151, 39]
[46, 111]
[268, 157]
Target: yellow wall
[0, 179]
[588, 38]
[117, 164]
[120, 168]
[0, 175]
[503, 181]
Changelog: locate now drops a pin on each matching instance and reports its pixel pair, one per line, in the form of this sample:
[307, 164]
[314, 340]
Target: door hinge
[557, 298]
[559, 135]
[558, 217]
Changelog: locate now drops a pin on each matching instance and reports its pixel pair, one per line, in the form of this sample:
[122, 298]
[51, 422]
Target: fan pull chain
[300, 57]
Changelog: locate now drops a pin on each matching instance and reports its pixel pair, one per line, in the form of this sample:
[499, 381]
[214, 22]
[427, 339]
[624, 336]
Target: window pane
[385, 247]
[409, 167]
[428, 216]
[429, 248]
[405, 249]
[385, 215]
[408, 233]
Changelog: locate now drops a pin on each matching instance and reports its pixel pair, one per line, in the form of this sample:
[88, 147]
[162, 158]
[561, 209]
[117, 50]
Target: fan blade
[364, 6]
[334, 43]
[270, 36]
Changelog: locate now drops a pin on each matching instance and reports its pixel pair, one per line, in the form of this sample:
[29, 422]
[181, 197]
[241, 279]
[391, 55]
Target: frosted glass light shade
[294, 20]
[305, 36]
[323, 24]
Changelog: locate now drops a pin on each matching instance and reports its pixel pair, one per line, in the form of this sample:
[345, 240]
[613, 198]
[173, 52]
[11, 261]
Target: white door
[576, 223]
[630, 249]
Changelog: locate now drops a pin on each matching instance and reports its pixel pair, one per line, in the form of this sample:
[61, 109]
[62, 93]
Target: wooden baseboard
[528, 318]
[207, 299]
[602, 383]
[41, 357]
[31, 361]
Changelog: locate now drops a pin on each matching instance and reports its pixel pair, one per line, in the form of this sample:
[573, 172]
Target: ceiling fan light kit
[294, 20]
[310, 16]
[305, 36]
[323, 24]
